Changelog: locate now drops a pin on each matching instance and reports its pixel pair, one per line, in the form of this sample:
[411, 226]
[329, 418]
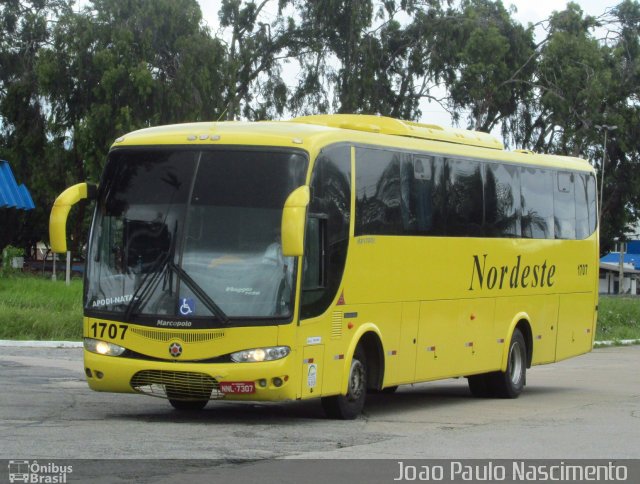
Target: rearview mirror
[60, 212]
[293, 222]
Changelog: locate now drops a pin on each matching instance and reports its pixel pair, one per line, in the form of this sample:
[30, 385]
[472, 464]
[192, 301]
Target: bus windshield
[182, 233]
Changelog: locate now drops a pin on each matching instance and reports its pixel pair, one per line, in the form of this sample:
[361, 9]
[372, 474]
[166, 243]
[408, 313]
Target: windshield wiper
[199, 292]
[151, 280]
[147, 286]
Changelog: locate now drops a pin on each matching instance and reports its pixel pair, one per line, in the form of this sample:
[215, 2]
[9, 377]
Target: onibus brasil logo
[27, 471]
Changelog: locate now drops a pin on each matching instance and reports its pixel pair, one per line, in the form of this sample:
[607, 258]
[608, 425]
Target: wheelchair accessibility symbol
[187, 306]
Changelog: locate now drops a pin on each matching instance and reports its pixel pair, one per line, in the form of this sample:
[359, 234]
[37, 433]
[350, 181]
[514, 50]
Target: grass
[618, 318]
[36, 308]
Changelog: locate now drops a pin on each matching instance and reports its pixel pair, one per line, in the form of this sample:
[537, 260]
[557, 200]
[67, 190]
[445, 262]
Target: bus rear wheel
[510, 383]
[384, 391]
[349, 406]
[479, 385]
[504, 384]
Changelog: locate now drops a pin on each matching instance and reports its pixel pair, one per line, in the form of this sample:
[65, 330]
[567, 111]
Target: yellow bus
[330, 256]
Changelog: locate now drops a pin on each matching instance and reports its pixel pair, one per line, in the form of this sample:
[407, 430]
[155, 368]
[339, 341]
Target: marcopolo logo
[485, 275]
[34, 472]
[175, 349]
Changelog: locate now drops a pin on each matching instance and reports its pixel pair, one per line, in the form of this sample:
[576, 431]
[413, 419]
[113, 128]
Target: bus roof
[311, 133]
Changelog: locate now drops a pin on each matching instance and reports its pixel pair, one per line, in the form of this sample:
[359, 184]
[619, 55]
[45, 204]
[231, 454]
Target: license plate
[237, 387]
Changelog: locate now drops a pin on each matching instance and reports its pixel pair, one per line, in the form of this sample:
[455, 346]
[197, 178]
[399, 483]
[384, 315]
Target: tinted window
[502, 200]
[327, 229]
[421, 194]
[153, 177]
[142, 200]
[232, 245]
[378, 199]
[582, 206]
[464, 198]
[564, 206]
[537, 203]
[593, 204]
[247, 178]
[175, 224]
[313, 271]
[422, 181]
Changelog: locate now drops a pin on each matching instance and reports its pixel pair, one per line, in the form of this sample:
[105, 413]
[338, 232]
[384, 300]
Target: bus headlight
[260, 354]
[102, 347]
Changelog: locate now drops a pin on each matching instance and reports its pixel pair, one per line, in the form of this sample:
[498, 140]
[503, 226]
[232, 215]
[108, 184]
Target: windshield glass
[193, 234]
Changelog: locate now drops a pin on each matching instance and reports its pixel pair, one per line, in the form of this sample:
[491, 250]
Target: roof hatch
[396, 127]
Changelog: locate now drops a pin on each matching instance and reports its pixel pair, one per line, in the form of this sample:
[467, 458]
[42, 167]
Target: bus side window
[564, 206]
[425, 195]
[464, 198]
[314, 268]
[592, 203]
[378, 193]
[582, 206]
[502, 200]
[537, 186]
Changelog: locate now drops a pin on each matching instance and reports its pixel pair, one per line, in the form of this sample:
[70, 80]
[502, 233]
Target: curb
[41, 344]
[622, 342]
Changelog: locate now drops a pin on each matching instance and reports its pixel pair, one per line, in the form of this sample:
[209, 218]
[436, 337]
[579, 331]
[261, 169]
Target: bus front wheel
[188, 405]
[349, 406]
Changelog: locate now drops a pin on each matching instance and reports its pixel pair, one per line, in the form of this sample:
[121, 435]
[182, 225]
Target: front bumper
[185, 380]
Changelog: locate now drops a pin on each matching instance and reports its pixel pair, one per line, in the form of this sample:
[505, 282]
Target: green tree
[357, 56]
[487, 61]
[574, 83]
[254, 54]
[118, 66]
[621, 194]
[23, 115]
[71, 82]
[580, 83]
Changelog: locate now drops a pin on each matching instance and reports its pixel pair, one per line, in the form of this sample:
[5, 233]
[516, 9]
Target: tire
[191, 402]
[389, 390]
[479, 385]
[384, 391]
[510, 383]
[349, 406]
[188, 405]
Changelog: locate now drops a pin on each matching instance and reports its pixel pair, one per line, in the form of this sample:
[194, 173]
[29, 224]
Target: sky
[536, 10]
[533, 11]
[528, 10]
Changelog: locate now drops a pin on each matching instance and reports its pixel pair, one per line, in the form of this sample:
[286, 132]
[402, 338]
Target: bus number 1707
[110, 329]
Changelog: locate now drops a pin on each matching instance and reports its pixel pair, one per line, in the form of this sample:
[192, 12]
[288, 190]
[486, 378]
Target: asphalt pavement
[583, 408]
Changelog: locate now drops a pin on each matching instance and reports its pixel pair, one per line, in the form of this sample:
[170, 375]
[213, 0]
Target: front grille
[165, 336]
[176, 385]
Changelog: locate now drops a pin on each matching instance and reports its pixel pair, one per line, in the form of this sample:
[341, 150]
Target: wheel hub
[516, 363]
[356, 380]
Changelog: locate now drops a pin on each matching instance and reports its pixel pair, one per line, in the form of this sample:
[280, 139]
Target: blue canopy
[614, 258]
[13, 195]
